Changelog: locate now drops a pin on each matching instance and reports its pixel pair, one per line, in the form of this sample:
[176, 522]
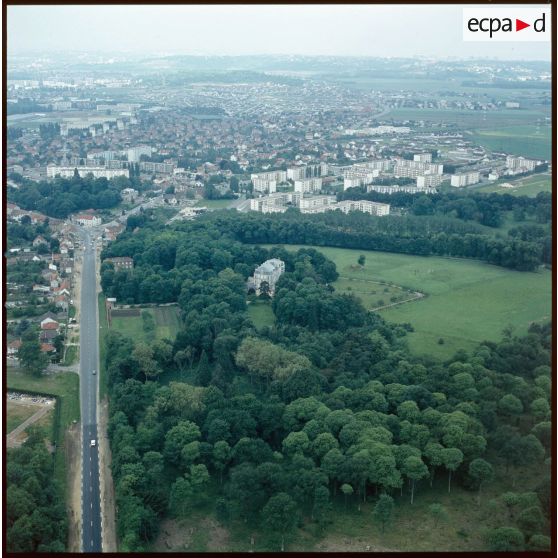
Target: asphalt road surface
[89, 358]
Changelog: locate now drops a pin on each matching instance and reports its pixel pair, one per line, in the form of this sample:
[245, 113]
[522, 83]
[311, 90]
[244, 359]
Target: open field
[167, 323]
[493, 120]
[529, 186]
[527, 140]
[373, 294]
[17, 414]
[66, 386]
[466, 301]
[261, 314]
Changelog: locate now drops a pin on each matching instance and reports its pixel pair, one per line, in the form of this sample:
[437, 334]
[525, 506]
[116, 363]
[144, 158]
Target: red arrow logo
[519, 25]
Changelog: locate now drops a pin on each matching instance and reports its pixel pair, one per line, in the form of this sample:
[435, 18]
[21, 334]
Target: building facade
[269, 272]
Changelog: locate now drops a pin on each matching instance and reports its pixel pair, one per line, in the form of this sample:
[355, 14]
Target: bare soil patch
[186, 536]
[346, 544]
[126, 313]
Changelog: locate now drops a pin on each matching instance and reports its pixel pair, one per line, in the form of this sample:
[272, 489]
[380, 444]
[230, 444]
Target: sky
[343, 30]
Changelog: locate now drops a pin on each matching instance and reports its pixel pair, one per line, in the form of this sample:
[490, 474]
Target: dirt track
[73, 486]
[107, 487]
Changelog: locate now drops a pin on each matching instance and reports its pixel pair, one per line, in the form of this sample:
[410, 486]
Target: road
[89, 358]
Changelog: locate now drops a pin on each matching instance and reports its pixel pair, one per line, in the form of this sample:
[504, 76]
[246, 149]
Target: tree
[511, 500]
[481, 471]
[505, 539]
[414, 469]
[347, 490]
[438, 512]
[539, 543]
[383, 510]
[451, 458]
[264, 290]
[30, 356]
[280, 515]
[143, 354]
[531, 520]
[321, 509]
[362, 260]
[510, 405]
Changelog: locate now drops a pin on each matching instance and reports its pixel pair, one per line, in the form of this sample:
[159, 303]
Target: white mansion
[268, 272]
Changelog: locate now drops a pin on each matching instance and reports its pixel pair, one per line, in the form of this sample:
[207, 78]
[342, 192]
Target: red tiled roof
[50, 325]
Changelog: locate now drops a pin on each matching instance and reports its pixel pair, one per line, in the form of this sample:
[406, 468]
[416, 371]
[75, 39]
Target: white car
[94, 372]
[93, 443]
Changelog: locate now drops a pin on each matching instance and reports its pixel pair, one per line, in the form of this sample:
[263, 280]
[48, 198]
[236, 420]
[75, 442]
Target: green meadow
[465, 302]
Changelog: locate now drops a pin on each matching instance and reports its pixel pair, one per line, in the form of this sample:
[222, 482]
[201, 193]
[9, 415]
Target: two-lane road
[89, 358]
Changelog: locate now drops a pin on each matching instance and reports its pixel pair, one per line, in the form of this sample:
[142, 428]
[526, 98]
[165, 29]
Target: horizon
[353, 30]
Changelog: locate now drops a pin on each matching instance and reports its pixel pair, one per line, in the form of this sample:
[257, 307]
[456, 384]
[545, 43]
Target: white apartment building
[158, 168]
[305, 204]
[373, 208]
[410, 189]
[264, 185]
[422, 157]
[307, 171]
[134, 153]
[97, 172]
[429, 180]
[520, 164]
[465, 179]
[267, 205]
[412, 169]
[277, 175]
[308, 185]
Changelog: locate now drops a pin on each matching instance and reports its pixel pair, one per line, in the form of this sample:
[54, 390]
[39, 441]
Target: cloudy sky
[345, 30]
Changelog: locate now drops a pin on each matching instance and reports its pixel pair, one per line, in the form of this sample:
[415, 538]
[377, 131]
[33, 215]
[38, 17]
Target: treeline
[62, 196]
[485, 209]
[274, 426]
[408, 234]
[24, 106]
[36, 516]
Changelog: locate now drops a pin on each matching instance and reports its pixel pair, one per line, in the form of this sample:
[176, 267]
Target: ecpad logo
[506, 24]
[493, 25]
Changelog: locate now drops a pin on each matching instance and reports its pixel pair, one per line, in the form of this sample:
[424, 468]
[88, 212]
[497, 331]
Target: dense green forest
[35, 510]
[269, 427]
[62, 196]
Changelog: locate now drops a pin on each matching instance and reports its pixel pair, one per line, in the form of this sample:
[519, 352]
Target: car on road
[93, 443]
[94, 372]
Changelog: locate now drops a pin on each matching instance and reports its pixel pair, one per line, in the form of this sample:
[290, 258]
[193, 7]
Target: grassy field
[17, 414]
[494, 120]
[66, 386]
[373, 294]
[167, 324]
[466, 301]
[529, 186]
[526, 140]
[261, 314]
[103, 329]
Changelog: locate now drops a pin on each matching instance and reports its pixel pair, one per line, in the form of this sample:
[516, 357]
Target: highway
[89, 359]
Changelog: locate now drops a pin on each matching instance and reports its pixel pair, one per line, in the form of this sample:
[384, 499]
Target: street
[89, 358]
